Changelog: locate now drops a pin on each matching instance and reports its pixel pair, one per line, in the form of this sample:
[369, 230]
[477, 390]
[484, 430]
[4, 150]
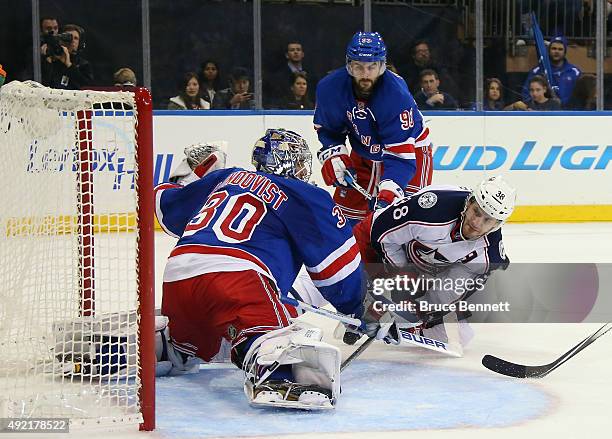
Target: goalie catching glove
[336, 162]
[200, 160]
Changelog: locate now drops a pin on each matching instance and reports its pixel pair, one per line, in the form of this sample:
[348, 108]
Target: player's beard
[363, 88]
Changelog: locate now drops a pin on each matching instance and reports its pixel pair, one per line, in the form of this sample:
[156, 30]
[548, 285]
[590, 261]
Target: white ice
[572, 402]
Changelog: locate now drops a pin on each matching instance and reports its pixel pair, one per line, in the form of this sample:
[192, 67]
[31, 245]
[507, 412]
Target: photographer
[49, 25]
[62, 65]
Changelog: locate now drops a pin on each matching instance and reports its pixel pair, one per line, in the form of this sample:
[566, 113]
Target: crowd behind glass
[213, 68]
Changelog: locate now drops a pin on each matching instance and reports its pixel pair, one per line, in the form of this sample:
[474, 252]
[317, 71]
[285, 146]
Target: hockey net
[76, 264]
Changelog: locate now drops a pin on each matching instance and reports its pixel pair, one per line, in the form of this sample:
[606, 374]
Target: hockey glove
[335, 161]
[204, 158]
[379, 325]
[200, 160]
[388, 191]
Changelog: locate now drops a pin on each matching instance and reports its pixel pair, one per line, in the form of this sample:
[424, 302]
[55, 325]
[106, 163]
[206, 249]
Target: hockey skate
[291, 395]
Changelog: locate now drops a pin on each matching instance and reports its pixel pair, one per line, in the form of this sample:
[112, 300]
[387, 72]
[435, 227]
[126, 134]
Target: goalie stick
[334, 316]
[452, 349]
[321, 311]
[515, 370]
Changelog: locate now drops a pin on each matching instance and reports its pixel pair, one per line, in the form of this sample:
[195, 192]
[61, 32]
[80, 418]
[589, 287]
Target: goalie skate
[291, 395]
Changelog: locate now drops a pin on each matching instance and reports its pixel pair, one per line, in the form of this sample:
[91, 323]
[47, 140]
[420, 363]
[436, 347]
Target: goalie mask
[284, 153]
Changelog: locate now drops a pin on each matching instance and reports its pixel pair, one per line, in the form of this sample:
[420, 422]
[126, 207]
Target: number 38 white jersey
[424, 230]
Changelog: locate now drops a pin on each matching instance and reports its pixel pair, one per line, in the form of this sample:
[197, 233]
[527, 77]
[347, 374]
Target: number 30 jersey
[235, 220]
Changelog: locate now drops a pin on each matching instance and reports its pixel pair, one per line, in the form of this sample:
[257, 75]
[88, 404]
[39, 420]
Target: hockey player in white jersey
[441, 231]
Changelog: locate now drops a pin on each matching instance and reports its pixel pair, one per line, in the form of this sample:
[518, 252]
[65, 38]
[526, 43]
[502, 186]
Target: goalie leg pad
[103, 346]
[315, 366]
[169, 361]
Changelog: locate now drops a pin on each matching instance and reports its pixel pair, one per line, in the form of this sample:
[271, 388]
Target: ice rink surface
[402, 392]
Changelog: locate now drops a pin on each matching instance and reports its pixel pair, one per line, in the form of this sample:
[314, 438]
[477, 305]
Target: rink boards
[555, 160]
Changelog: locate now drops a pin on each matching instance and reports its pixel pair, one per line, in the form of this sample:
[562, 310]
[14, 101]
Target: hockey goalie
[242, 237]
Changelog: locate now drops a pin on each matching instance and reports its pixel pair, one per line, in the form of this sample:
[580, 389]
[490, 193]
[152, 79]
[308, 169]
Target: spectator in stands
[541, 97]
[584, 95]
[209, 80]
[68, 70]
[275, 84]
[493, 95]
[422, 59]
[391, 67]
[189, 97]
[297, 98]
[564, 73]
[237, 96]
[49, 25]
[124, 77]
[430, 97]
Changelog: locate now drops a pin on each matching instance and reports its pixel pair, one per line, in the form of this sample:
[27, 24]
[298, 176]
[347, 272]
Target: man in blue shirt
[564, 73]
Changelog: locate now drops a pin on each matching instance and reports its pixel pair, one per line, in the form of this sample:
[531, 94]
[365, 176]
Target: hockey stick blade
[410, 338]
[515, 370]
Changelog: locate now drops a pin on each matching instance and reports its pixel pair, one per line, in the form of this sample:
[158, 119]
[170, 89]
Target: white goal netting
[68, 255]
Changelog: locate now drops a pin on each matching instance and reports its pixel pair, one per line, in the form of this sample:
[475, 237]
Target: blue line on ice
[377, 396]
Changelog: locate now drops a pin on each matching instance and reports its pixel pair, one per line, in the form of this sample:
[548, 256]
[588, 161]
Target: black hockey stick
[357, 353]
[522, 371]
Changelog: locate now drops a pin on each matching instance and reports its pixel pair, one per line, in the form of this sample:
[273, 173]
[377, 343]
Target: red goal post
[77, 255]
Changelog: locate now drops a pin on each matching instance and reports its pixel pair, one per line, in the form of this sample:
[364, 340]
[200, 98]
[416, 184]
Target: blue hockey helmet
[366, 47]
[283, 152]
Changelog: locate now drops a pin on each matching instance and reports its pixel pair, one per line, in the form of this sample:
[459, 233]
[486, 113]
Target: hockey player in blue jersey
[243, 236]
[390, 144]
[442, 231]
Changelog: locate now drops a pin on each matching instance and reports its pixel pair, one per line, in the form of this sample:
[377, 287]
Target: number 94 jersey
[388, 127]
[236, 220]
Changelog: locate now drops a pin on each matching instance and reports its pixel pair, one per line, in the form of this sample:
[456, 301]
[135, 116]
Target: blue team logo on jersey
[427, 200]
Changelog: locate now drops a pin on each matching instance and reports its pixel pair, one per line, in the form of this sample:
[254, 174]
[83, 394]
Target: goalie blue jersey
[236, 220]
[388, 127]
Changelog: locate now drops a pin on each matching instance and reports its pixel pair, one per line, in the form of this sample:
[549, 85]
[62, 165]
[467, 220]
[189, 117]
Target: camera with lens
[55, 42]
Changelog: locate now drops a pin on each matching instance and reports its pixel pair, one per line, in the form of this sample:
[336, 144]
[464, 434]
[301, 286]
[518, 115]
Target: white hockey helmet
[496, 198]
